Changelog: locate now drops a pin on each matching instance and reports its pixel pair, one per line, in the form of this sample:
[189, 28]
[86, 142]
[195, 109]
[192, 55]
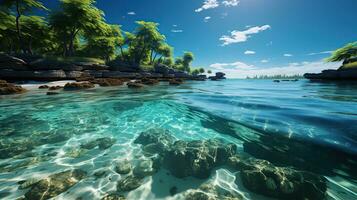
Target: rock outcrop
[135, 84]
[186, 158]
[341, 74]
[78, 86]
[264, 178]
[9, 88]
[55, 184]
[218, 76]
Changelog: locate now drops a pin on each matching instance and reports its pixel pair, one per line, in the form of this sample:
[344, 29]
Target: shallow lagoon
[303, 125]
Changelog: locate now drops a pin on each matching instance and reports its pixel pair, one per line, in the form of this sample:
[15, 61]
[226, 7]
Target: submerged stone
[181, 158]
[55, 184]
[27, 183]
[144, 168]
[9, 88]
[197, 158]
[113, 197]
[129, 183]
[78, 86]
[155, 140]
[134, 85]
[263, 177]
[123, 167]
[101, 143]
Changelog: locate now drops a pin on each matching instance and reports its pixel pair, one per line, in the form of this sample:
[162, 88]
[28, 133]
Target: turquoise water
[304, 125]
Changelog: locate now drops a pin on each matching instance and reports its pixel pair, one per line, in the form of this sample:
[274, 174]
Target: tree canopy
[344, 54]
[78, 28]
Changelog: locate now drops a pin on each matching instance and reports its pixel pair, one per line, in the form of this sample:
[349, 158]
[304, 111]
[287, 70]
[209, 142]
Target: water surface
[305, 125]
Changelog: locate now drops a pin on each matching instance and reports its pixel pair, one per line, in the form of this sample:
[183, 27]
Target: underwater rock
[123, 167]
[147, 81]
[106, 82]
[181, 158]
[102, 143]
[52, 93]
[28, 183]
[55, 184]
[175, 81]
[57, 87]
[43, 87]
[173, 190]
[144, 168]
[75, 153]
[9, 88]
[100, 173]
[134, 85]
[78, 85]
[197, 158]
[212, 191]
[113, 197]
[197, 195]
[129, 183]
[106, 143]
[263, 177]
[155, 140]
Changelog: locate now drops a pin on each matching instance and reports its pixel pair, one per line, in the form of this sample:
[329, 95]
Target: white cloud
[249, 52]
[174, 25]
[289, 69]
[206, 19]
[230, 3]
[235, 65]
[131, 13]
[242, 36]
[176, 30]
[208, 4]
[264, 61]
[288, 55]
[320, 53]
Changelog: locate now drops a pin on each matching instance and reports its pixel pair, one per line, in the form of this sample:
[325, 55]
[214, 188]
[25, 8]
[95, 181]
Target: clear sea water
[306, 125]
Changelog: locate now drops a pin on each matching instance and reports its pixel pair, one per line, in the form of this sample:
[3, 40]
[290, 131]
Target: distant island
[297, 76]
[348, 71]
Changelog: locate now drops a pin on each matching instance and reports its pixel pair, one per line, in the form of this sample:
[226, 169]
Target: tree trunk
[151, 52]
[154, 57]
[18, 28]
[30, 47]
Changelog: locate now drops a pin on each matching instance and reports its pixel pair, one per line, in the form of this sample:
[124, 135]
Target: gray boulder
[55, 184]
[197, 158]
[264, 178]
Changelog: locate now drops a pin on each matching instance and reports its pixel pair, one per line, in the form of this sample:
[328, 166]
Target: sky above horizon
[245, 37]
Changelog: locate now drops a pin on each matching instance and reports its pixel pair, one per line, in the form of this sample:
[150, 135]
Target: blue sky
[245, 37]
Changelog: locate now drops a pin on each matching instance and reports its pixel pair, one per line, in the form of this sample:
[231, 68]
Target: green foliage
[104, 46]
[8, 37]
[344, 54]
[195, 72]
[77, 17]
[202, 70]
[37, 35]
[20, 7]
[168, 61]
[209, 71]
[352, 65]
[78, 28]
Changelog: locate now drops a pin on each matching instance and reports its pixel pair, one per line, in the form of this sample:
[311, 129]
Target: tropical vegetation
[78, 29]
[346, 54]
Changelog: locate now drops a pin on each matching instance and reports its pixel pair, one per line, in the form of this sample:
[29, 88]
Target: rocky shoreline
[334, 75]
[87, 75]
[16, 69]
